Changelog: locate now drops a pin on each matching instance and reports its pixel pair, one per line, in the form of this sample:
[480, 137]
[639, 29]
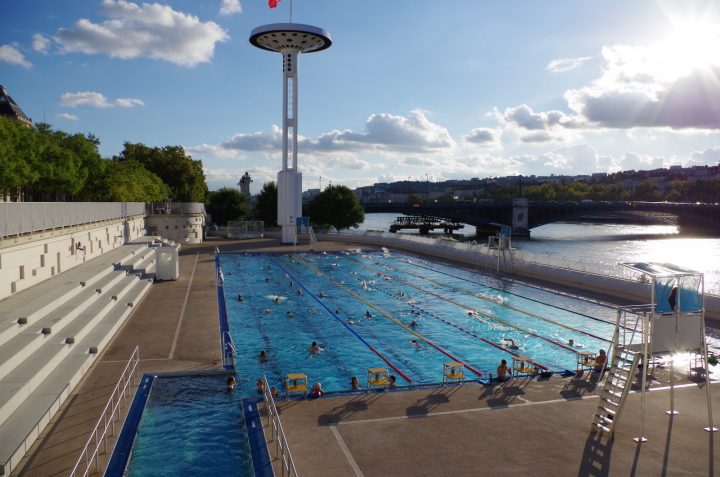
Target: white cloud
[634, 161]
[344, 162]
[229, 7]
[11, 54]
[709, 156]
[149, 30]
[578, 159]
[40, 43]
[68, 116]
[96, 100]
[418, 161]
[483, 136]
[525, 118]
[566, 64]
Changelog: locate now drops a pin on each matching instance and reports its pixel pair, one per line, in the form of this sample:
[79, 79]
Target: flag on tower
[273, 3]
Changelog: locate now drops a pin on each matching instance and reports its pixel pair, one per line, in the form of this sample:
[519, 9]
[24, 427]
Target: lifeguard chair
[378, 378]
[453, 370]
[585, 361]
[522, 366]
[673, 323]
[296, 383]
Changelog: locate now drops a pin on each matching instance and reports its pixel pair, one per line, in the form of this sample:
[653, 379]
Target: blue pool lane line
[403, 375]
[256, 438]
[123, 447]
[222, 316]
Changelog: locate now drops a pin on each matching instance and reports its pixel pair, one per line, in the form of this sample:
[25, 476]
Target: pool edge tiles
[124, 444]
[259, 452]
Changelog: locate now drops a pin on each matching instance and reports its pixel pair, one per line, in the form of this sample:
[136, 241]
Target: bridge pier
[520, 217]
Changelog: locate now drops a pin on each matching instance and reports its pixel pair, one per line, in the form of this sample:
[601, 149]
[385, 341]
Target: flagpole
[290, 11]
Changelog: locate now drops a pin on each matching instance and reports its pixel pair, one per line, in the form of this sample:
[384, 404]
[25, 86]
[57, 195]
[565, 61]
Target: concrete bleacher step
[146, 267]
[140, 256]
[33, 412]
[18, 350]
[24, 426]
[113, 298]
[25, 378]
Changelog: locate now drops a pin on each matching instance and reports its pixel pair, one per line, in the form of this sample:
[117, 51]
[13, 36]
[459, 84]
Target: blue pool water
[191, 426]
[460, 314]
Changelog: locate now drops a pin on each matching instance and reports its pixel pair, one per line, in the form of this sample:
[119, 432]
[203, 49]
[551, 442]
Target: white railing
[229, 349]
[110, 413]
[287, 465]
[17, 218]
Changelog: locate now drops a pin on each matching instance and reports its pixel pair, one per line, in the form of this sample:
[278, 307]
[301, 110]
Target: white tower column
[290, 39]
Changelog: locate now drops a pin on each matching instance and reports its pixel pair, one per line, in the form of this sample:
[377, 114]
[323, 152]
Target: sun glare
[691, 45]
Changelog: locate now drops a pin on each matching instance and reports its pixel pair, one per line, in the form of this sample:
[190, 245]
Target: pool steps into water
[50, 335]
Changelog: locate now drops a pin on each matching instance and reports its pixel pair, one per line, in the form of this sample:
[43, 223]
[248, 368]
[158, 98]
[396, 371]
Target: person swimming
[290, 314]
[240, 298]
[413, 324]
[230, 383]
[368, 314]
[509, 343]
[314, 348]
[263, 356]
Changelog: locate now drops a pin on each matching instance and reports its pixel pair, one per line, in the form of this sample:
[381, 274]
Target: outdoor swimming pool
[360, 308]
[191, 426]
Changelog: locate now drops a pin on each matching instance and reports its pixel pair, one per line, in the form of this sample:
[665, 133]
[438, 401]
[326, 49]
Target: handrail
[287, 465]
[122, 390]
[230, 343]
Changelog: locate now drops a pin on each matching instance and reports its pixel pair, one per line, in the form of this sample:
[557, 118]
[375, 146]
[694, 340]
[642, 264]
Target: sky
[409, 89]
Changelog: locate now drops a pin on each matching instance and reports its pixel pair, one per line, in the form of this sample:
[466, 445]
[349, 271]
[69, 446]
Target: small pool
[394, 311]
[191, 426]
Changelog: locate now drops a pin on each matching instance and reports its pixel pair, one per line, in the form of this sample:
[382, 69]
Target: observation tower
[290, 39]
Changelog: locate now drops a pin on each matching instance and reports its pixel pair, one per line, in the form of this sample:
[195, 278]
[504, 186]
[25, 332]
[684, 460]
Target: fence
[107, 419]
[287, 466]
[17, 218]
[165, 208]
[244, 229]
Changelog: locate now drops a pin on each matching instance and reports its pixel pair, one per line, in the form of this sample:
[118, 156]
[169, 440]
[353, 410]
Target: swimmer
[316, 391]
[260, 387]
[355, 384]
[291, 284]
[299, 291]
[416, 343]
[276, 299]
[322, 295]
[267, 279]
[413, 324]
[509, 343]
[337, 311]
[273, 392]
[240, 298]
[391, 381]
[368, 314]
[571, 342]
[263, 356]
[230, 383]
[267, 311]
[401, 294]
[290, 314]
[314, 348]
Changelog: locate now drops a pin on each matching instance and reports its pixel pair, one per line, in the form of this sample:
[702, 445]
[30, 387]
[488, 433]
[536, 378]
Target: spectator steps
[51, 333]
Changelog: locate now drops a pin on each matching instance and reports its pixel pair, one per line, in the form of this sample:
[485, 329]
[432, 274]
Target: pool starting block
[453, 370]
[378, 378]
[296, 383]
[523, 366]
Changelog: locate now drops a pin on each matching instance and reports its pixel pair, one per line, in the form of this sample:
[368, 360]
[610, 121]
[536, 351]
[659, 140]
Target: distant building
[309, 195]
[9, 108]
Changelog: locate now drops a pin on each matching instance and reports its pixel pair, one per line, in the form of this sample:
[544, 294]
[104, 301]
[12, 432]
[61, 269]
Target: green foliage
[180, 172]
[648, 191]
[226, 204]
[18, 155]
[267, 204]
[129, 181]
[337, 206]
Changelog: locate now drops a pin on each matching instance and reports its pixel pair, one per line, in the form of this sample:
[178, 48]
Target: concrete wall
[27, 261]
[180, 228]
[633, 291]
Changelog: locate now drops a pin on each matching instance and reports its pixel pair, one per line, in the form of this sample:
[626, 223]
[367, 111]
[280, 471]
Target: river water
[607, 245]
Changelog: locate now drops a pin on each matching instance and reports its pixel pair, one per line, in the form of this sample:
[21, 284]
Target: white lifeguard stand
[673, 322]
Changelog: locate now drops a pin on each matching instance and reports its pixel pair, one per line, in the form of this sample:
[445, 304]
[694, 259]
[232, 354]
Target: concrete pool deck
[484, 428]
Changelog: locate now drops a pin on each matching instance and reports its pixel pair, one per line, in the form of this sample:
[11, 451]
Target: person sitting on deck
[230, 383]
[391, 381]
[316, 391]
[314, 348]
[600, 362]
[503, 371]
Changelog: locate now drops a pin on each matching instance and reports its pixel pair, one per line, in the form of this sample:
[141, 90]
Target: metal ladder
[617, 386]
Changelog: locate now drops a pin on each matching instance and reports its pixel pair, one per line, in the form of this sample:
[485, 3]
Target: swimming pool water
[191, 426]
[289, 301]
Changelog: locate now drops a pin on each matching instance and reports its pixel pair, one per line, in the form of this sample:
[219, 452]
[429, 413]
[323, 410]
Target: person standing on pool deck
[600, 362]
[503, 372]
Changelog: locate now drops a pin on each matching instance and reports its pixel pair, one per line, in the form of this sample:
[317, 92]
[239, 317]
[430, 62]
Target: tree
[336, 206]
[180, 172]
[227, 204]
[129, 181]
[648, 191]
[267, 204]
[18, 155]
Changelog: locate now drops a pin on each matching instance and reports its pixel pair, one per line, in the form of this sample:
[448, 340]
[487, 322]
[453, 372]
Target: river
[607, 245]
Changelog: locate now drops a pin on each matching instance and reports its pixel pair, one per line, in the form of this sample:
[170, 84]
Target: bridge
[523, 215]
